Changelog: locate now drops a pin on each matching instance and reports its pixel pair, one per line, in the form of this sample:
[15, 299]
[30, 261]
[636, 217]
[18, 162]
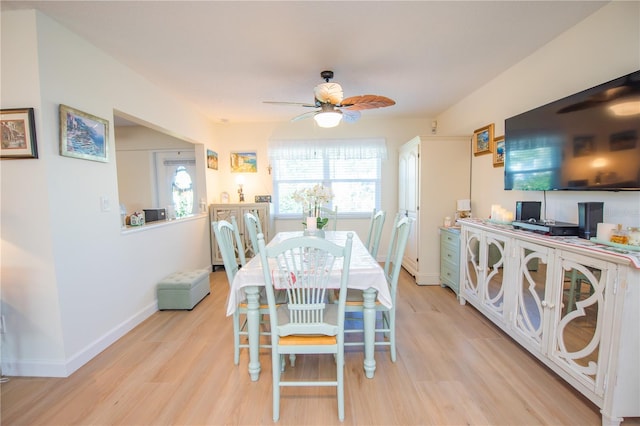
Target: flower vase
[314, 233]
[312, 229]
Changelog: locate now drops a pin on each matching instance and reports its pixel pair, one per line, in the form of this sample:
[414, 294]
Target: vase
[314, 233]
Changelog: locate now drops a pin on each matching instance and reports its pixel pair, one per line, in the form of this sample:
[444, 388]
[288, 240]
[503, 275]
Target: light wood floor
[453, 368]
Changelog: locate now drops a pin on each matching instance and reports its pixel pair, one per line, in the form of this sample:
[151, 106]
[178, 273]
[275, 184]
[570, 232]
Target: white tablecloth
[364, 270]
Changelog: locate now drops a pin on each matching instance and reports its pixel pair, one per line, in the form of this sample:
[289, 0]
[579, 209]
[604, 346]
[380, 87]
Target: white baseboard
[428, 279]
[48, 368]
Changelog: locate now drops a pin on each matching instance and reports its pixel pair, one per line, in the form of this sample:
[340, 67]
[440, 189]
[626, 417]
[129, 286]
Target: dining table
[365, 274]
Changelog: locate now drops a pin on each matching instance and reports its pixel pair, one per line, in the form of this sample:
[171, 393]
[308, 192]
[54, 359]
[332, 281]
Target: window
[351, 168]
[175, 181]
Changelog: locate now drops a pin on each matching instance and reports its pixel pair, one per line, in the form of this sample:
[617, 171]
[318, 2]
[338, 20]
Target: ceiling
[227, 57]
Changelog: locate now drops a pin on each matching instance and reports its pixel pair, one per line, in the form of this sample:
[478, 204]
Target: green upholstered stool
[183, 290]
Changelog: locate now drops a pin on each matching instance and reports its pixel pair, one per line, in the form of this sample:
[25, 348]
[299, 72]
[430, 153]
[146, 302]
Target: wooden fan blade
[305, 115]
[290, 103]
[356, 103]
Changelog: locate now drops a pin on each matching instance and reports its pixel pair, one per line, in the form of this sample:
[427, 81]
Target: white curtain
[336, 149]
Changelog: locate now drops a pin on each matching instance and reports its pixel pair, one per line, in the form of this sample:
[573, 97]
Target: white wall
[72, 283]
[603, 47]
[256, 136]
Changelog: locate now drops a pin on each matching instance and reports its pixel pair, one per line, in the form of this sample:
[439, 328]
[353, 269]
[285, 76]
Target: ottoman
[183, 290]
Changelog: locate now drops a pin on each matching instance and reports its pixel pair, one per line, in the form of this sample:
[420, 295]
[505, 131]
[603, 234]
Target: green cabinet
[450, 258]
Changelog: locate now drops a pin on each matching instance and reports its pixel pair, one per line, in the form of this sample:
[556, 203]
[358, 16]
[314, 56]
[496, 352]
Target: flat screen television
[584, 142]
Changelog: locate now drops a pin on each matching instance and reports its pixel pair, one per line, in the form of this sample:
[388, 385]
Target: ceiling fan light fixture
[626, 108]
[328, 119]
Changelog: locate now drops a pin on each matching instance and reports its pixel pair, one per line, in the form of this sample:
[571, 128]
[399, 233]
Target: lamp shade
[328, 119]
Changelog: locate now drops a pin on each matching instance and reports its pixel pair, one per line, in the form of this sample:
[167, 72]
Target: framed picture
[623, 140]
[583, 146]
[498, 151]
[244, 162]
[212, 159]
[482, 140]
[18, 134]
[83, 135]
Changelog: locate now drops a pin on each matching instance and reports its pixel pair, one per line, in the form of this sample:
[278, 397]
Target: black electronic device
[584, 142]
[589, 215]
[152, 215]
[546, 227]
[527, 210]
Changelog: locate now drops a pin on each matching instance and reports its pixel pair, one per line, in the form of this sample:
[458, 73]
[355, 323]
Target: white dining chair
[376, 225]
[330, 214]
[230, 245]
[392, 266]
[254, 227]
[308, 323]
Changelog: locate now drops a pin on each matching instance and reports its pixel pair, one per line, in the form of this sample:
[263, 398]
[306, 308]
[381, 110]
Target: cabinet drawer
[450, 254]
[449, 274]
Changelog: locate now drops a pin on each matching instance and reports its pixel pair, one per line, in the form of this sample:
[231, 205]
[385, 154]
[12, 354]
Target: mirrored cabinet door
[495, 273]
[471, 271]
[534, 286]
[578, 320]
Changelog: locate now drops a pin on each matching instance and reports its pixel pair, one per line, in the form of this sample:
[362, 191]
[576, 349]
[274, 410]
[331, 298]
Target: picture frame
[18, 134]
[623, 140]
[83, 135]
[498, 151]
[244, 162]
[212, 159]
[583, 146]
[482, 140]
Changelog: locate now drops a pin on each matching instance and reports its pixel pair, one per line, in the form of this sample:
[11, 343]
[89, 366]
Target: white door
[409, 199]
[176, 182]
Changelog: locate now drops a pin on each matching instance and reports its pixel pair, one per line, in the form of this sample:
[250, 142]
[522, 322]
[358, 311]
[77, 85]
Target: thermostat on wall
[263, 198]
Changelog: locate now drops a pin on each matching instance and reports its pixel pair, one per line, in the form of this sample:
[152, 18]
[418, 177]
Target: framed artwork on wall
[18, 134]
[83, 135]
[212, 159]
[244, 162]
[498, 151]
[482, 140]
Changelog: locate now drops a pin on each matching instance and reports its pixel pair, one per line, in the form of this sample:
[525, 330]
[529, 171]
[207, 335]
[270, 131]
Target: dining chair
[392, 266]
[375, 231]
[332, 215]
[254, 227]
[307, 323]
[230, 245]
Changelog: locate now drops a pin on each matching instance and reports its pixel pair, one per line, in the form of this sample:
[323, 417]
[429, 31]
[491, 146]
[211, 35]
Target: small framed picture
[212, 159]
[498, 151]
[244, 162]
[482, 140]
[18, 134]
[83, 135]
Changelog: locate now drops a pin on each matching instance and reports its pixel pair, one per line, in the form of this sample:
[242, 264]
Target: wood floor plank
[176, 368]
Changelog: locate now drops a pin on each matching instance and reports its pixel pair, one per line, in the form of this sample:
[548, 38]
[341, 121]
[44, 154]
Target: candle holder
[240, 182]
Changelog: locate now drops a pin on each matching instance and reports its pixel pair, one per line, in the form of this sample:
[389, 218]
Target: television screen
[587, 141]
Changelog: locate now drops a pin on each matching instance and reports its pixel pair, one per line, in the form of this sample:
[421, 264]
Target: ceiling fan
[332, 107]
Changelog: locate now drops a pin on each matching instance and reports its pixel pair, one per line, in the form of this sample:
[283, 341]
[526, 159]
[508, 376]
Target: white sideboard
[573, 304]
[226, 211]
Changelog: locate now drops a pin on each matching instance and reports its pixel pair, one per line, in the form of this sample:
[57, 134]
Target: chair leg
[392, 335]
[276, 362]
[236, 337]
[340, 387]
[292, 360]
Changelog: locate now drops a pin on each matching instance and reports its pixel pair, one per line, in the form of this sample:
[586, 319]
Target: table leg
[369, 319]
[253, 328]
